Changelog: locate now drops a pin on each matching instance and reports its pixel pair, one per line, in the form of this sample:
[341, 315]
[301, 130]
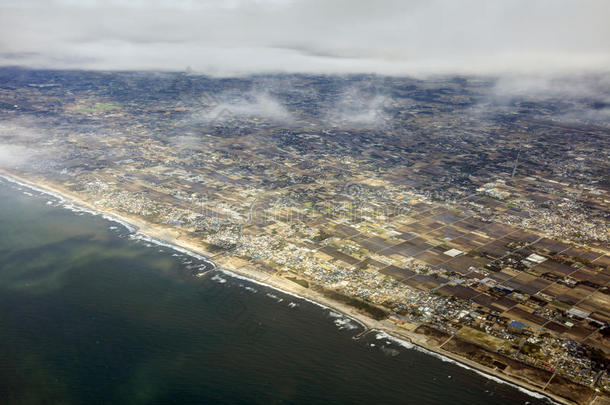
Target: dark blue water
[89, 315]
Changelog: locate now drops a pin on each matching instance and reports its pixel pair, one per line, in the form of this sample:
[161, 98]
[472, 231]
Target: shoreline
[238, 268]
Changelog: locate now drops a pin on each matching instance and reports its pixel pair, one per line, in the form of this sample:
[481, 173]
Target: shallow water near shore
[90, 314]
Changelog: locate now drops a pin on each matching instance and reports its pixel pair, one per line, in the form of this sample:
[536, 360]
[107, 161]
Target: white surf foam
[275, 297]
[149, 240]
[219, 279]
[240, 277]
[345, 323]
[69, 205]
[412, 346]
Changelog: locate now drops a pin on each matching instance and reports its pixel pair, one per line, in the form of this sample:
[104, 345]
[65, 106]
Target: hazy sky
[343, 36]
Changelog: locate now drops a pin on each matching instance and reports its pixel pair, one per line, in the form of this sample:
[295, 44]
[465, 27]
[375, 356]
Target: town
[476, 220]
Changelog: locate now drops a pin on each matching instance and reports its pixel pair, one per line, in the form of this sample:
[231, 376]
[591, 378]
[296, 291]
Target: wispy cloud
[14, 155]
[218, 108]
[17, 137]
[360, 105]
[568, 99]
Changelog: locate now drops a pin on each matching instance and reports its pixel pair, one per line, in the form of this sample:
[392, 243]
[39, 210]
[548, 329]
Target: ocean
[92, 314]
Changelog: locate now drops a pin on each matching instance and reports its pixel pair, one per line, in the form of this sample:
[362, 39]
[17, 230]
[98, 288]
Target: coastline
[239, 268]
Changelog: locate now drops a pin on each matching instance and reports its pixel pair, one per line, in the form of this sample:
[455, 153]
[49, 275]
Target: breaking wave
[412, 346]
[69, 205]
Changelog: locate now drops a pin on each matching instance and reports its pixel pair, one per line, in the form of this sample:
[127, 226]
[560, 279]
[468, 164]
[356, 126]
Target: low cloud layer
[395, 37]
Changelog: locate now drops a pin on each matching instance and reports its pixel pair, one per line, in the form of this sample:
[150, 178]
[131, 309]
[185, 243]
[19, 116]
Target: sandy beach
[242, 268]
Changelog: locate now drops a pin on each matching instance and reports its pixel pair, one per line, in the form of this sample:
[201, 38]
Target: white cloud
[533, 86]
[342, 36]
[252, 105]
[17, 137]
[359, 105]
[14, 155]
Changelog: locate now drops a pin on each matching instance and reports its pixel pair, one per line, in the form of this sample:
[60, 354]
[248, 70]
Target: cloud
[396, 37]
[568, 99]
[17, 137]
[548, 86]
[226, 106]
[14, 155]
[360, 105]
